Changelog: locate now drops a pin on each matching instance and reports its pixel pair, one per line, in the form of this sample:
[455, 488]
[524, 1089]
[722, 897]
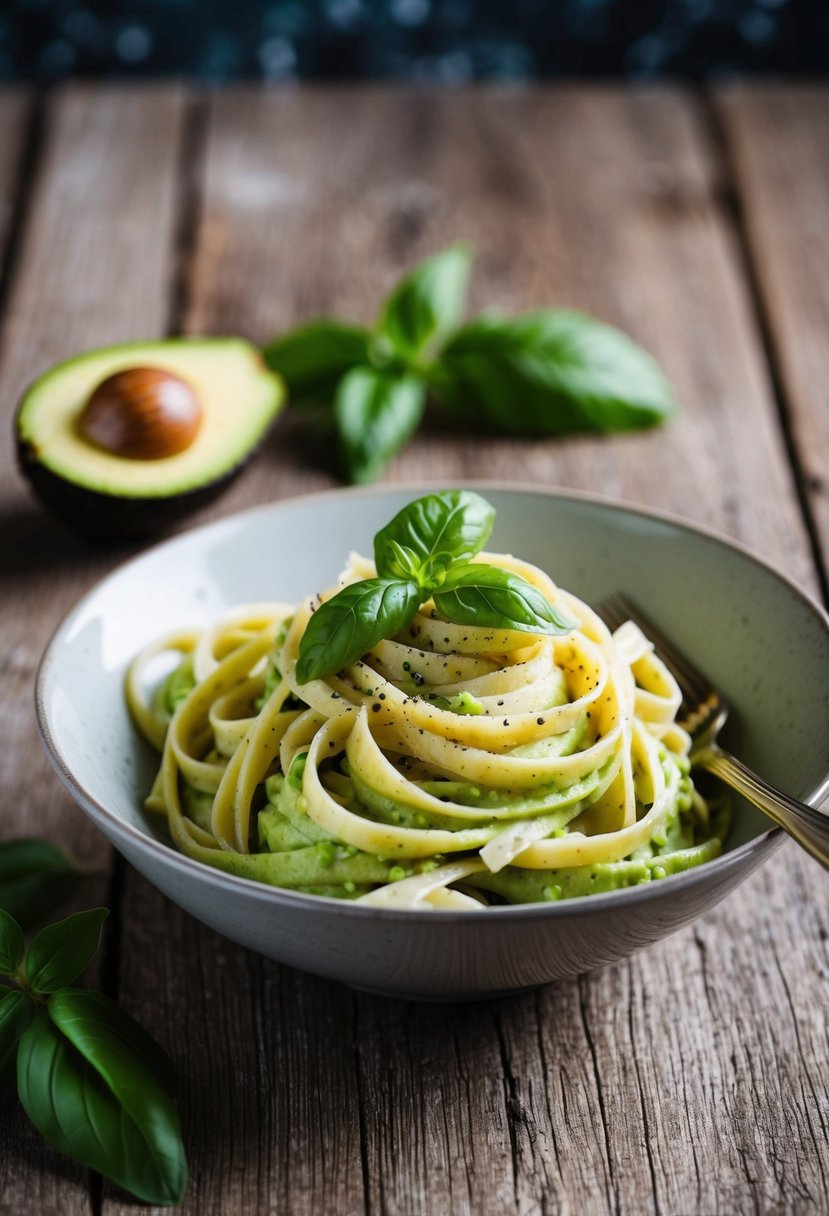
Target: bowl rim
[763, 844]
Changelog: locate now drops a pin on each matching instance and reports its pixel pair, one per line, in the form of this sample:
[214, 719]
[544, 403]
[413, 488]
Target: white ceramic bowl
[762, 640]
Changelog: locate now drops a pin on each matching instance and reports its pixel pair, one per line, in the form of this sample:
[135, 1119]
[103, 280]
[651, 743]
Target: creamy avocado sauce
[179, 684]
[297, 853]
[519, 886]
[532, 761]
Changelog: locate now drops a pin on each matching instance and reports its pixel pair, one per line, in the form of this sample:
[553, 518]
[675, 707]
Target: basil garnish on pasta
[424, 549]
[444, 728]
[432, 534]
[356, 619]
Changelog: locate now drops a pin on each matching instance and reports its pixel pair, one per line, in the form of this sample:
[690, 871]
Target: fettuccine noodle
[451, 767]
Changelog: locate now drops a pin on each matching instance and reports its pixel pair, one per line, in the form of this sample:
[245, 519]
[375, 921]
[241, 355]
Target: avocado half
[111, 495]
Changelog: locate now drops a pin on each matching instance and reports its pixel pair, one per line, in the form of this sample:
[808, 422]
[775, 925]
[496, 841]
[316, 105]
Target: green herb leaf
[35, 877]
[428, 304]
[550, 372]
[429, 535]
[376, 413]
[97, 1010]
[16, 1012]
[60, 952]
[12, 944]
[351, 622]
[312, 359]
[92, 1096]
[495, 598]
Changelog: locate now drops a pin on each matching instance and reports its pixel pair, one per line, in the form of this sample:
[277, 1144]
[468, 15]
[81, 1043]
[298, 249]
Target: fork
[702, 713]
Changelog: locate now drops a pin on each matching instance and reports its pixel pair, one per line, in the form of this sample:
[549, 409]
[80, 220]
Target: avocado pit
[142, 413]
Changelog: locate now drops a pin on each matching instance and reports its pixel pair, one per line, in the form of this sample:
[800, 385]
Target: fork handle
[808, 826]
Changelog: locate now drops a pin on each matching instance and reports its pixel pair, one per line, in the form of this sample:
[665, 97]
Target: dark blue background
[447, 41]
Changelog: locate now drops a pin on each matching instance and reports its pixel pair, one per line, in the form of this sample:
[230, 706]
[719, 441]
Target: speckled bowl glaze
[761, 639]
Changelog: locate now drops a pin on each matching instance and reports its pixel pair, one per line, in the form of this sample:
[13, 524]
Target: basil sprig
[94, 1083]
[547, 372]
[424, 552]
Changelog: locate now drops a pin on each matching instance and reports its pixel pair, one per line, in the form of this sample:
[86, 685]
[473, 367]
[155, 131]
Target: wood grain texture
[687, 1080]
[616, 1092]
[778, 141]
[315, 201]
[104, 174]
[16, 106]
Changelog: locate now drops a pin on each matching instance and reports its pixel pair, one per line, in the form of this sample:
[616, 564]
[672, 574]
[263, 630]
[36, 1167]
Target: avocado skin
[112, 516]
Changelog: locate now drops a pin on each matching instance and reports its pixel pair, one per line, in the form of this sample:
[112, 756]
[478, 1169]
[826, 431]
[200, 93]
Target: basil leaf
[12, 944]
[376, 413]
[16, 1012]
[94, 1099]
[313, 358]
[35, 876]
[60, 952]
[355, 619]
[489, 596]
[550, 372]
[432, 533]
[100, 1015]
[428, 304]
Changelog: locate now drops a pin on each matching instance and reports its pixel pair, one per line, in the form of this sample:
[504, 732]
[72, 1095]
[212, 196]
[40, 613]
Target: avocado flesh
[97, 490]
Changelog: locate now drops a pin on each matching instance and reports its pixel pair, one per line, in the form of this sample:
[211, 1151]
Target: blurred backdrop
[442, 41]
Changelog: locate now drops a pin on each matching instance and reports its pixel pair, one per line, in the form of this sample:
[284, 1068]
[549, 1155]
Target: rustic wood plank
[15, 110]
[320, 198]
[265, 1059]
[777, 141]
[619, 1091]
[614, 1093]
[92, 268]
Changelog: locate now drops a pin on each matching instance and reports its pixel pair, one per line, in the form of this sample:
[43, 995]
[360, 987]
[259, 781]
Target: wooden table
[691, 1079]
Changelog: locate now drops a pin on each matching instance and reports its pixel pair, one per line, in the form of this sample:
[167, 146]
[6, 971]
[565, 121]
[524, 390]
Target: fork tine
[695, 689]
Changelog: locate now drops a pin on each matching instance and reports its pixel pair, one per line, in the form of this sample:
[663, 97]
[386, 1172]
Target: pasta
[451, 766]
